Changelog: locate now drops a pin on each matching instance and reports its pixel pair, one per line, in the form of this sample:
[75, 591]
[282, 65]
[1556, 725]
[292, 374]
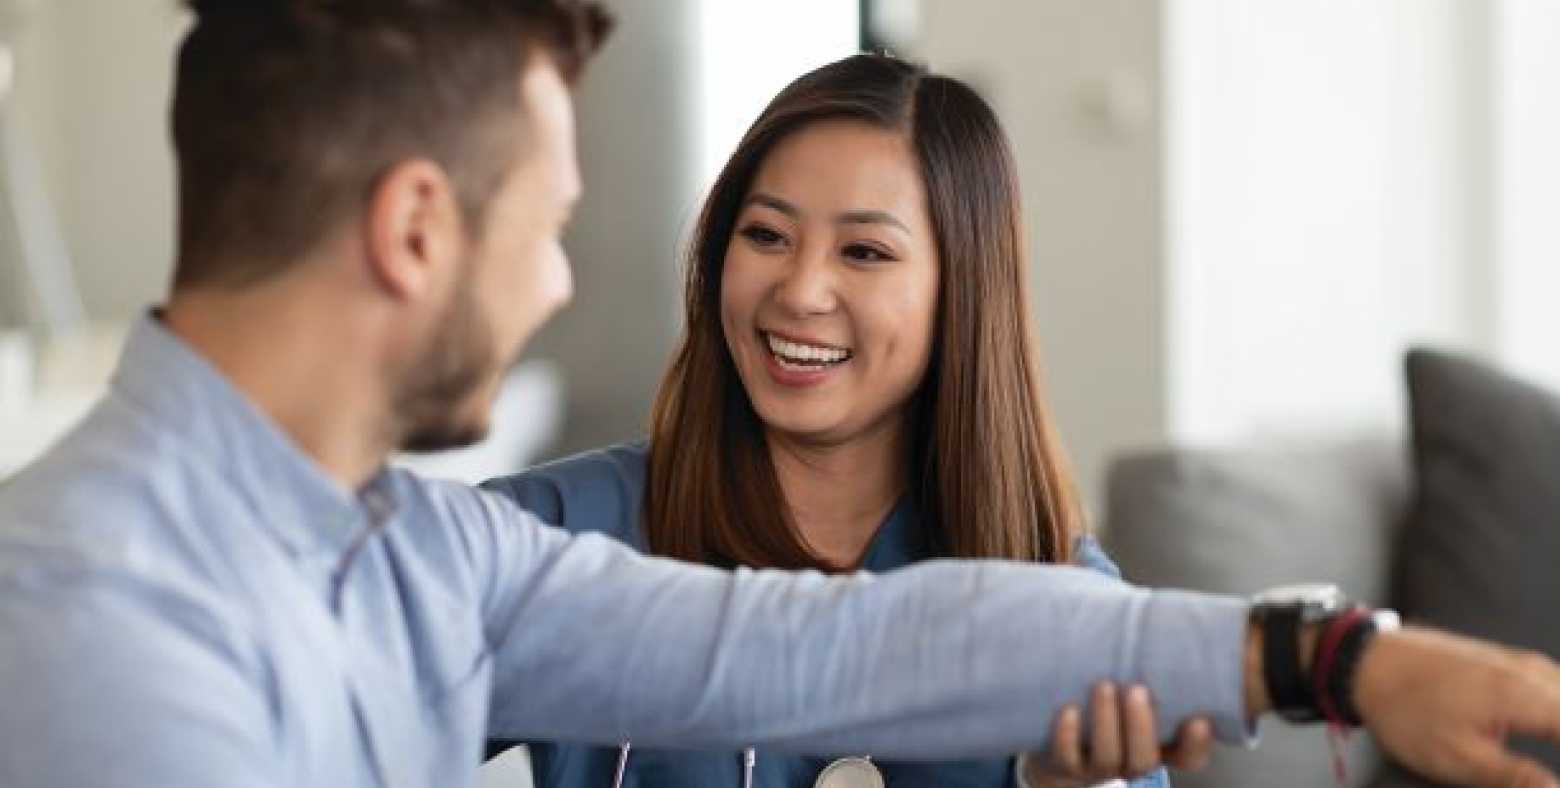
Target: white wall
[1243, 211]
[748, 52]
[1076, 85]
[1328, 181]
[95, 77]
[638, 132]
[33, 98]
[1527, 186]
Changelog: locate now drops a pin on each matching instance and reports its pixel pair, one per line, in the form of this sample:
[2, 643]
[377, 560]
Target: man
[215, 580]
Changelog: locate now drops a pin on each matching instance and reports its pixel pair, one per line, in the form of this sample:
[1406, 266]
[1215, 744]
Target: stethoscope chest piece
[850, 773]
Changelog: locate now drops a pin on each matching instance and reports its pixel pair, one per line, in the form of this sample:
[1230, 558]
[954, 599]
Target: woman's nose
[809, 285]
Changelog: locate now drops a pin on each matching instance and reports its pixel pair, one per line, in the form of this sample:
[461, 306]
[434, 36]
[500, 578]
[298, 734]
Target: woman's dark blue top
[603, 491]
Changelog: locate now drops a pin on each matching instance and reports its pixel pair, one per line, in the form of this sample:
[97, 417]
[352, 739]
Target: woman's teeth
[795, 354]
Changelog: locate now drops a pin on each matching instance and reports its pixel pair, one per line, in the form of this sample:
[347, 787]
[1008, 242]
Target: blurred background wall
[1241, 210]
[1077, 83]
[93, 79]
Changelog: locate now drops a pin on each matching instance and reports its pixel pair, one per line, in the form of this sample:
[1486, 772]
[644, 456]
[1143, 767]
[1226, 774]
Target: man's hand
[1444, 705]
[1123, 742]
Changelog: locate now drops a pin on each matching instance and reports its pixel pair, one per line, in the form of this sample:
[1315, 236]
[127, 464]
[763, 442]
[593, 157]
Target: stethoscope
[856, 771]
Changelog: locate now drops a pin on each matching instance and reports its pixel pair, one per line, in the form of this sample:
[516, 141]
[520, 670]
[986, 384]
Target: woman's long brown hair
[986, 468]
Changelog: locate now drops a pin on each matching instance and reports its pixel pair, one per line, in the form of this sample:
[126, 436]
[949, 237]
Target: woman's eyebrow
[775, 203]
[848, 217]
[871, 217]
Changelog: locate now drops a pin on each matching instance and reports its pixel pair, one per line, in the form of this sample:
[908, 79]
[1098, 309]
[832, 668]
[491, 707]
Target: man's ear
[414, 232]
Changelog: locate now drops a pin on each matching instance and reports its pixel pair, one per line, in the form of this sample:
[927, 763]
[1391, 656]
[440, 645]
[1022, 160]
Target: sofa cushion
[1240, 520]
[1480, 551]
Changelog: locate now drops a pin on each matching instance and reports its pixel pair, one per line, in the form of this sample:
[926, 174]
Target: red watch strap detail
[1326, 657]
[1322, 666]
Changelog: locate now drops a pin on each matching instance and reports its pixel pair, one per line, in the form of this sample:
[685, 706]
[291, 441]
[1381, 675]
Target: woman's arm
[1121, 733]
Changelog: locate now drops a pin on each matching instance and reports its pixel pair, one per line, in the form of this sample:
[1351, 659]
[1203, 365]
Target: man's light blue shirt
[186, 599]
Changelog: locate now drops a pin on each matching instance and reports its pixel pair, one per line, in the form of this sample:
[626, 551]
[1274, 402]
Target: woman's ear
[414, 231]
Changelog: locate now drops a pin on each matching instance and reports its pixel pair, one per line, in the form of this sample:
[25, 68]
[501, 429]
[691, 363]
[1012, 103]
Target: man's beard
[432, 401]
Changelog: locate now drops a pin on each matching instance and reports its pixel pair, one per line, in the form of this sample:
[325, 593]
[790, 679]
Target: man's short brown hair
[286, 113]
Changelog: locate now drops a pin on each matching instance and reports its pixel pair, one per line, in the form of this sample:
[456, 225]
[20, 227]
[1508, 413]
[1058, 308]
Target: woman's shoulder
[600, 490]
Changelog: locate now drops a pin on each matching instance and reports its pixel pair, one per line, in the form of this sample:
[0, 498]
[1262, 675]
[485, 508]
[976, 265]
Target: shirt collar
[899, 541]
[185, 397]
[905, 538]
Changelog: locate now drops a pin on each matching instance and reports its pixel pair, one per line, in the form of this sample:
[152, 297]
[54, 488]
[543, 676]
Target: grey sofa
[1457, 526]
[1237, 521]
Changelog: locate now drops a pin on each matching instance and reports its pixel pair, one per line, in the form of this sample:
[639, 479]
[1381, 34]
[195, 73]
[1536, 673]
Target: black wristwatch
[1283, 613]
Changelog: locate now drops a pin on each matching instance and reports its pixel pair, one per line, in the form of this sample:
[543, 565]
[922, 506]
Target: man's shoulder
[91, 554]
[103, 482]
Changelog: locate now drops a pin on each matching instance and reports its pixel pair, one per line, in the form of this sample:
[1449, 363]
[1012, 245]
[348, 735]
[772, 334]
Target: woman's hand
[1123, 743]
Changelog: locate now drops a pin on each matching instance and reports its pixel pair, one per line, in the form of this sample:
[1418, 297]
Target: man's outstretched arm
[597, 643]
[942, 660]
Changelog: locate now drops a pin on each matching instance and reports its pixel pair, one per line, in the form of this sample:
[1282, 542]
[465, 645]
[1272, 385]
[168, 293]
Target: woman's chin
[805, 428]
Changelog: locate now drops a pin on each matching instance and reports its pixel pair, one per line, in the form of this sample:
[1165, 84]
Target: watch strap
[1338, 661]
[1287, 685]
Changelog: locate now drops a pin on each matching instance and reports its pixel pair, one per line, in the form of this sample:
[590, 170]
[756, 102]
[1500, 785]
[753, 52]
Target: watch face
[1387, 620]
[1326, 595]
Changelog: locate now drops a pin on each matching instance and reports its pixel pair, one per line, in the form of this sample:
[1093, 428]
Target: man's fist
[1444, 706]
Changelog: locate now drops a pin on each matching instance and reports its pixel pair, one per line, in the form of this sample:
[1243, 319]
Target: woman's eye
[762, 236]
[863, 253]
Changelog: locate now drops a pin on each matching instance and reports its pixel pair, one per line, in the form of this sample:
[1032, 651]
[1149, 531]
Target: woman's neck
[840, 493]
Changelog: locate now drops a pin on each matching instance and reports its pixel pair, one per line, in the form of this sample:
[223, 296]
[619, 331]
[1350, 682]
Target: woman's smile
[802, 363]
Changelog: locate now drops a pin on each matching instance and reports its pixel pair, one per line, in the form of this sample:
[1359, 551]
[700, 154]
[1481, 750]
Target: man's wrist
[1310, 633]
[1373, 679]
[1340, 657]
[1290, 621]
[1259, 700]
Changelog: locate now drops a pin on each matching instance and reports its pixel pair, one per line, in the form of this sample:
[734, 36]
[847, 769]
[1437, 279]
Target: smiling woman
[872, 207]
[827, 294]
[857, 389]
[828, 299]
